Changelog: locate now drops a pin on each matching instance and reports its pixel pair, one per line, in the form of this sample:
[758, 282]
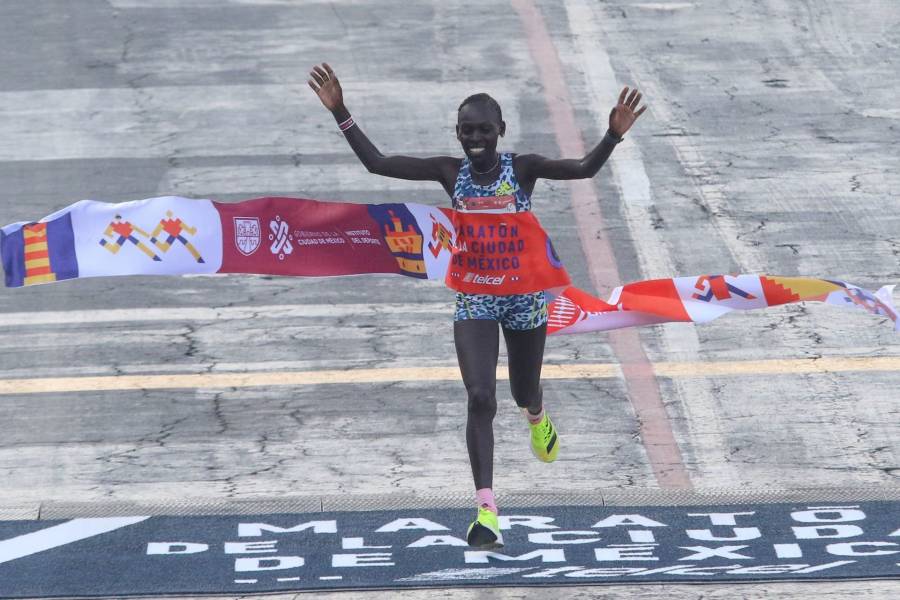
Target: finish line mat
[582, 545]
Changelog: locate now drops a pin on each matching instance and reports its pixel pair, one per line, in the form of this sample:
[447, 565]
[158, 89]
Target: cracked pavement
[770, 145]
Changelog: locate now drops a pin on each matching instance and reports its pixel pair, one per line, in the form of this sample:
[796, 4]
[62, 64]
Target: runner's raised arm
[442, 169]
[533, 166]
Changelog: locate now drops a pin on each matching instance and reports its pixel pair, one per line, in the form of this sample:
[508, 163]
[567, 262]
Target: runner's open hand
[626, 112]
[325, 84]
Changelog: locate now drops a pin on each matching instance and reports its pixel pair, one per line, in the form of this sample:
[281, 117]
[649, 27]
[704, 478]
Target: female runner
[523, 318]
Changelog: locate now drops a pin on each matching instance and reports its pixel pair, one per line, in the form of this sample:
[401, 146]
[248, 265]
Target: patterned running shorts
[517, 312]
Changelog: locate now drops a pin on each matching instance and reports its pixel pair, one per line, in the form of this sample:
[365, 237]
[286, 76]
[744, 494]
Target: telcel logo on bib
[485, 279]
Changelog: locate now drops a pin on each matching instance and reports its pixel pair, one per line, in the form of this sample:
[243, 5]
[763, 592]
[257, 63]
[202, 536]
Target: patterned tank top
[503, 195]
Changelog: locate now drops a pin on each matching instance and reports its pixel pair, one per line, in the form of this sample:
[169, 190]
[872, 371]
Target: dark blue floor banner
[584, 545]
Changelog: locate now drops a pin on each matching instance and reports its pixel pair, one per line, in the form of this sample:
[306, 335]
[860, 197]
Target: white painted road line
[309, 180]
[61, 124]
[272, 311]
[654, 253]
[643, 390]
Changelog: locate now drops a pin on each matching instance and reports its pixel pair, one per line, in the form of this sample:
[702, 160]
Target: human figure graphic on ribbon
[173, 228]
[125, 232]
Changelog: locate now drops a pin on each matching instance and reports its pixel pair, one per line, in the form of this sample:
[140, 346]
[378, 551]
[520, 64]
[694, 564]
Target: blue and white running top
[517, 312]
[505, 185]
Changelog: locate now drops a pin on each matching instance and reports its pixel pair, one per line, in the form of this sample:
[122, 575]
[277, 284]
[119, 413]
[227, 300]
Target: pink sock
[534, 419]
[485, 497]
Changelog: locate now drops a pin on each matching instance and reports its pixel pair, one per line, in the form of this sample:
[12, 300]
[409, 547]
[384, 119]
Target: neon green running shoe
[484, 532]
[544, 441]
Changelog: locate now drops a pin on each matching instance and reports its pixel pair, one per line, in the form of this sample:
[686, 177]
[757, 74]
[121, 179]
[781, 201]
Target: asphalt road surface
[770, 146]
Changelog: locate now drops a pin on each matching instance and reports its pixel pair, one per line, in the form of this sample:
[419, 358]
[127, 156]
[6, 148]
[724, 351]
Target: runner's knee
[482, 401]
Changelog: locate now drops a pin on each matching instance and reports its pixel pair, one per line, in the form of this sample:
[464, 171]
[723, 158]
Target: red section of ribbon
[776, 293]
[501, 254]
[572, 306]
[655, 296]
[575, 310]
[293, 236]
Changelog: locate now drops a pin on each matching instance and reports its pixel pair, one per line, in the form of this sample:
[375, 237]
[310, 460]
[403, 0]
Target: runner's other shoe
[484, 532]
[544, 441]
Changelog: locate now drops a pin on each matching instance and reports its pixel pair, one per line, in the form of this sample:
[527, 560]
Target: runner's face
[477, 129]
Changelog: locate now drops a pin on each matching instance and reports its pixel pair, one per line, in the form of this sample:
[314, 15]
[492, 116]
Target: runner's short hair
[482, 98]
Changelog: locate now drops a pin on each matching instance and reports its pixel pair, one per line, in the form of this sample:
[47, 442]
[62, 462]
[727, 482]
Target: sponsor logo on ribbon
[280, 237]
[247, 234]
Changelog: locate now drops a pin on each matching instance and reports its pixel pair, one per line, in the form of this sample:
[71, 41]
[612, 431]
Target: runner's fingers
[321, 73]
[314, 87]
[631, 96]
[640, 112]
[328, 70]
[318, 78]
[622, 95]
[637, 100]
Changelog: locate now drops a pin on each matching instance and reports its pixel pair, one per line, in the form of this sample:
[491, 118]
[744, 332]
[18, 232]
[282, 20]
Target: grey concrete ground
[770, 146]
[867, 590]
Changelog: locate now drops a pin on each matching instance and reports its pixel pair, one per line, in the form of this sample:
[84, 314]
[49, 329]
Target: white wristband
[347, 124]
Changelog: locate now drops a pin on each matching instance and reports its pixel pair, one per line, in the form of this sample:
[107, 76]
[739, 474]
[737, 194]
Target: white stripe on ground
[700, 406]
[211, 120]
[664, 5]
[307, 179]
[182, 4]
[60, 535]
[439, 373]
[271, 311]
[656, 432]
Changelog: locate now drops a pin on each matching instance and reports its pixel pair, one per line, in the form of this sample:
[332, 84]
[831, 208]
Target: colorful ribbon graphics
[472, 252]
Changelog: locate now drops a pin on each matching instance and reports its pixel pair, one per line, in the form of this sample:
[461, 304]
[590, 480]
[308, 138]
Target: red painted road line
[643, 389]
